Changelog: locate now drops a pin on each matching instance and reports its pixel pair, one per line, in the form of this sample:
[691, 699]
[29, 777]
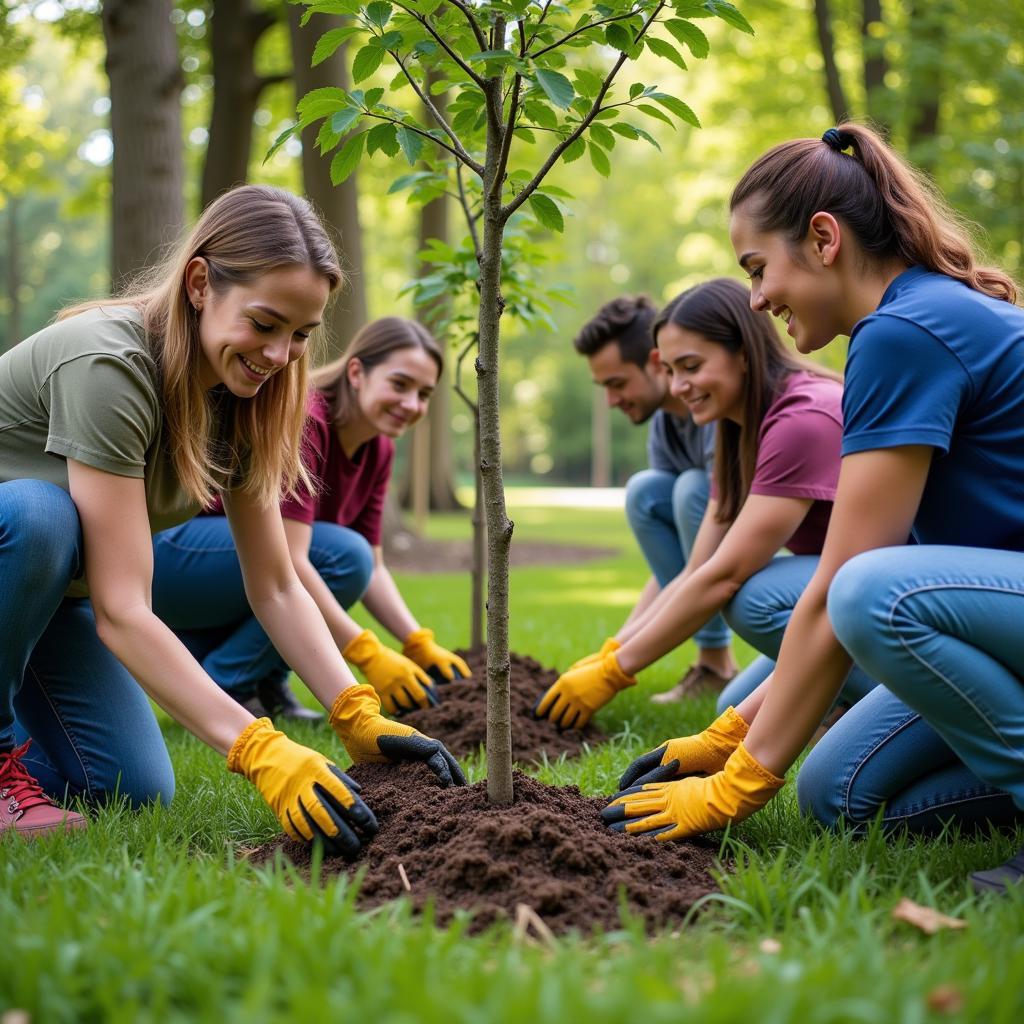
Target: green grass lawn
[156, 916]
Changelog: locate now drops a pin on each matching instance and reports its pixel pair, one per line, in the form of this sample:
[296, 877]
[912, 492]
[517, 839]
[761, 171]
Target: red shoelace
[16, 784]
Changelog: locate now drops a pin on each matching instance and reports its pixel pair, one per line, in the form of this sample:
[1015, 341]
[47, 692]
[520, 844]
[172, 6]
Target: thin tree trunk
[925, 69]
[600, 441]
[235, 30]
[13, 274]
[145, 118]
[499, 528]
[875, 66]
[479, 567]
[337, 205]
[836, 96]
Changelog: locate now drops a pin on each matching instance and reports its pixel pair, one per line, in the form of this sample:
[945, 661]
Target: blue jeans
[94, 733]
[941, 641]
[199, 592]
[664, 511]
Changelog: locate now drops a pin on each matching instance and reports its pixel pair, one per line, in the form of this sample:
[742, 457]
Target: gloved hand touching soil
[688, 807]
[370, 737]
[311, 797]
[400, 683]
[442, 665]
[703, 754]
[578, 693]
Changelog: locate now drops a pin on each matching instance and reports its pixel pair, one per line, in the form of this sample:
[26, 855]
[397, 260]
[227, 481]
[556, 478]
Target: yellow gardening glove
[370, 737]
[688, 807]
[578, 693]
[401, 684]
[611, 644]
[442, 665]
[311, 796]
[703, 754]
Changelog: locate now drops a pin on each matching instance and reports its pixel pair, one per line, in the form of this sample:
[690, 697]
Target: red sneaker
[24, 807]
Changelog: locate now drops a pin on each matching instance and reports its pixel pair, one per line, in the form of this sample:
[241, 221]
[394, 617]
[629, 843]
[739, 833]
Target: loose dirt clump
[549, 851]
[460, 720]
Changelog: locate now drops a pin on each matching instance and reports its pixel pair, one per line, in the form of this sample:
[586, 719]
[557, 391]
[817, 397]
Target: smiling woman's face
[705, 375]
[790, 282]
[394, 394]
[250, 331]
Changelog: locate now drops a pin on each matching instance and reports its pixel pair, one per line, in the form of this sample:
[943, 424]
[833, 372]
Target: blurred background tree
[945, 79]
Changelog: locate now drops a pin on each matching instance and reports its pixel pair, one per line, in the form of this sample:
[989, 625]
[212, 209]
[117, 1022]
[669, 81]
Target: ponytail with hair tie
[837, 139]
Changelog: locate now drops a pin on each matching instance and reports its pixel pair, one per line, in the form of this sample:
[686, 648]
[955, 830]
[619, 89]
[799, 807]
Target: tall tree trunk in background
[925, 60]
[337, 205]
[875, 66]
[13, 275]
[145, 120]
[836, 96]
[235, 29]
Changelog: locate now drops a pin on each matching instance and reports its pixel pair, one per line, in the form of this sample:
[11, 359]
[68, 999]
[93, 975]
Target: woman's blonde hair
[244, 234]
[372, 345]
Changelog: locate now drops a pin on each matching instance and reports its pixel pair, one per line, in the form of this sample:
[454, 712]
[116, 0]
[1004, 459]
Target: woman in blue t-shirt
[921, 580]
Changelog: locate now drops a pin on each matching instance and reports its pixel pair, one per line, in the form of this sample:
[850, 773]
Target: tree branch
[540, 21]
[584, 28]
[506, 142]
[457, 148]
[471, 218]
[595, 109]
[418, 131]
[443, 43]
[474, 339]
[480, 37]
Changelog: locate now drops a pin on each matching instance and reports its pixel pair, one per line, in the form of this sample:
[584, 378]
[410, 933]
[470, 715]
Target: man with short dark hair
[664, 503]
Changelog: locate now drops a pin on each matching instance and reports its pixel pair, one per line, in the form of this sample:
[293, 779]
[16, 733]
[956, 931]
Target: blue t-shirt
[676, 444]
[940, 364]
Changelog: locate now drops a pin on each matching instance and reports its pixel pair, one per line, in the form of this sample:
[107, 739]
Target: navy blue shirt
[940, 364]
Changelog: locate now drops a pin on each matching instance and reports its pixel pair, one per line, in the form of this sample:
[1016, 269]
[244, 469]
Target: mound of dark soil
[549, 851]
[460, 720]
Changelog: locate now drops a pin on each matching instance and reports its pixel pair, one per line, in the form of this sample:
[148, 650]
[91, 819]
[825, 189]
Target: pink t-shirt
[798, 453]
[351, 491]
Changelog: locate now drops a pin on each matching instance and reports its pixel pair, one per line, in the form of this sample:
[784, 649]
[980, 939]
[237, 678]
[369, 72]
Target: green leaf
[635, 89]
[599, 158]
[282, 139]
[588, 83]
[406, 180]
[330, 41]
[689, 35]
[547, 212]
[525, 134]
[330, 7]
[347, 158]
[373, 97]
[368, 59]
[627, 131]
[666, 50]
[541, 114]
[384, 138]
[344, 119]
[655, 113]
[618, 37]
[322, 102]
[378, 14]
[411, 143]
[425, 48]
[601, 135]
[388, 41]
[677, 106]
[504, 56]
[556, 87]
[645, 135]
[729, 14]
[574, 151]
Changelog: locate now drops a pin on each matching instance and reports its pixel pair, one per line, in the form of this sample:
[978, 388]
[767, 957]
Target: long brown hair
[894, 212]
[242, 235]
[719, 310]
[372, 345]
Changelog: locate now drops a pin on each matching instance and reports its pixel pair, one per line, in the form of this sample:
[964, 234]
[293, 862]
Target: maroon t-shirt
[798, 453]
[351, 491]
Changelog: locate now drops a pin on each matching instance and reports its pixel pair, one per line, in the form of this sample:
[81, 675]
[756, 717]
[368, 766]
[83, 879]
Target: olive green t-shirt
[88, 388]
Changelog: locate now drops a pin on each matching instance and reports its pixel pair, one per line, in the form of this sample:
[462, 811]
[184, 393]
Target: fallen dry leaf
[945, 999]
[925, 918]
[770, 946]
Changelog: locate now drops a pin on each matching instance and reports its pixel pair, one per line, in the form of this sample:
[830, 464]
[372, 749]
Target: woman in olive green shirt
[123, 418]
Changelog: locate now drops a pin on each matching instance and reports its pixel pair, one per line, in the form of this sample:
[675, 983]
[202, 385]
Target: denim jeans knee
[344, 559]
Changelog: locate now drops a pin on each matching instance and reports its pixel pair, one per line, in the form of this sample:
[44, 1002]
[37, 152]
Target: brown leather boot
[24, 807]
[698, 680]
